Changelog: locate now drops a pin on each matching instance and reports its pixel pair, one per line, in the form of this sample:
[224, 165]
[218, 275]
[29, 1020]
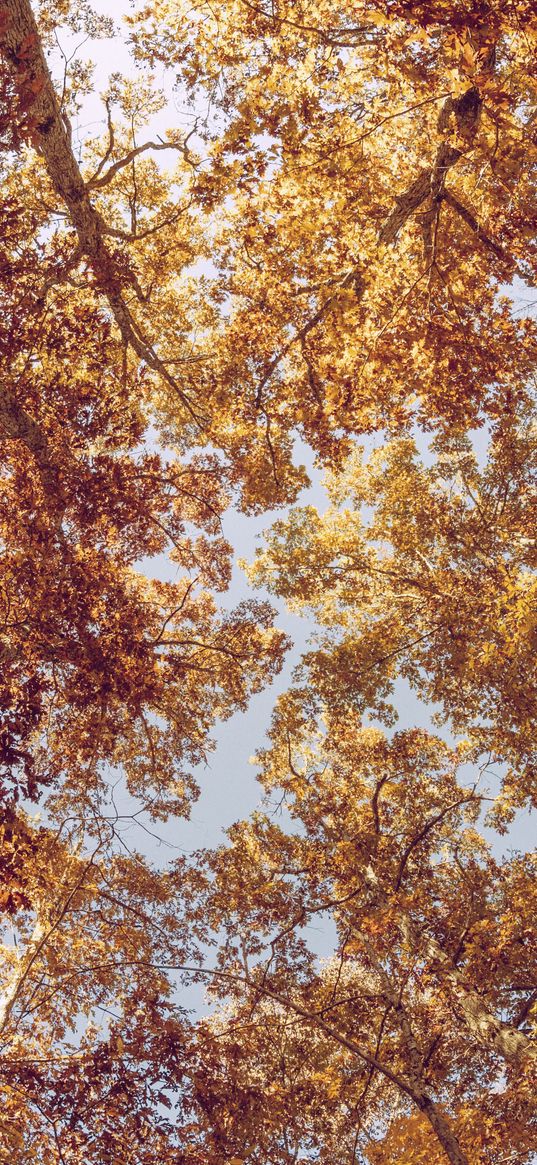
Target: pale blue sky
[229, 788]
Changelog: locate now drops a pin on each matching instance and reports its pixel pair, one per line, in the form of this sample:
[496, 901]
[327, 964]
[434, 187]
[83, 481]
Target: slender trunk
[9, 996]
[411, 1085]
[414, 1070]
[443, 1131]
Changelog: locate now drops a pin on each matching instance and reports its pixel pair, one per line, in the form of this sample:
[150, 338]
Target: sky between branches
[228, 784]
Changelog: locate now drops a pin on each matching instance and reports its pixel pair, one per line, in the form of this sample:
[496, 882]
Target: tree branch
[97, 182]
[21, 45]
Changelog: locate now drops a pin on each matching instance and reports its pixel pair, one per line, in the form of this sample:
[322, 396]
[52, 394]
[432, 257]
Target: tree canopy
[334, 247]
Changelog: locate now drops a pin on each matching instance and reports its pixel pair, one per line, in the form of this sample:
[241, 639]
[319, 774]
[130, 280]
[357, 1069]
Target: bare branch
[97, 182]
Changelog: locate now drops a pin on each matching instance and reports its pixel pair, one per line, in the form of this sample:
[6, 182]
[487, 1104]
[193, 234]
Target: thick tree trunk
[16, 424]
[21, 45]
[490, 1031]
[493, 1033]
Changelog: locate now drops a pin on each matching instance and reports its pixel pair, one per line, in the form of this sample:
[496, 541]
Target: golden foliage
[329, 253]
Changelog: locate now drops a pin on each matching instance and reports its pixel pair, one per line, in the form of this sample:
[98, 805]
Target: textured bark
[443, 1132]
[411, 1085]
[490, 1031]
[10, 995]
[493, 1033]
[21, 45]
[429, 184]
[504, 1039]
[16, 424]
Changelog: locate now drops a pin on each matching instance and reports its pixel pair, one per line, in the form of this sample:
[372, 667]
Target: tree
[419, 1019]
[107, 677]
[360, 228]
[378, 161]
[81, 1064]
[100, 665]
[426, 572]
[362, 181]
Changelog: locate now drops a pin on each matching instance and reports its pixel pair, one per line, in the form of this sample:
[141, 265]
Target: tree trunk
[21, 45]
[443, 1131]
